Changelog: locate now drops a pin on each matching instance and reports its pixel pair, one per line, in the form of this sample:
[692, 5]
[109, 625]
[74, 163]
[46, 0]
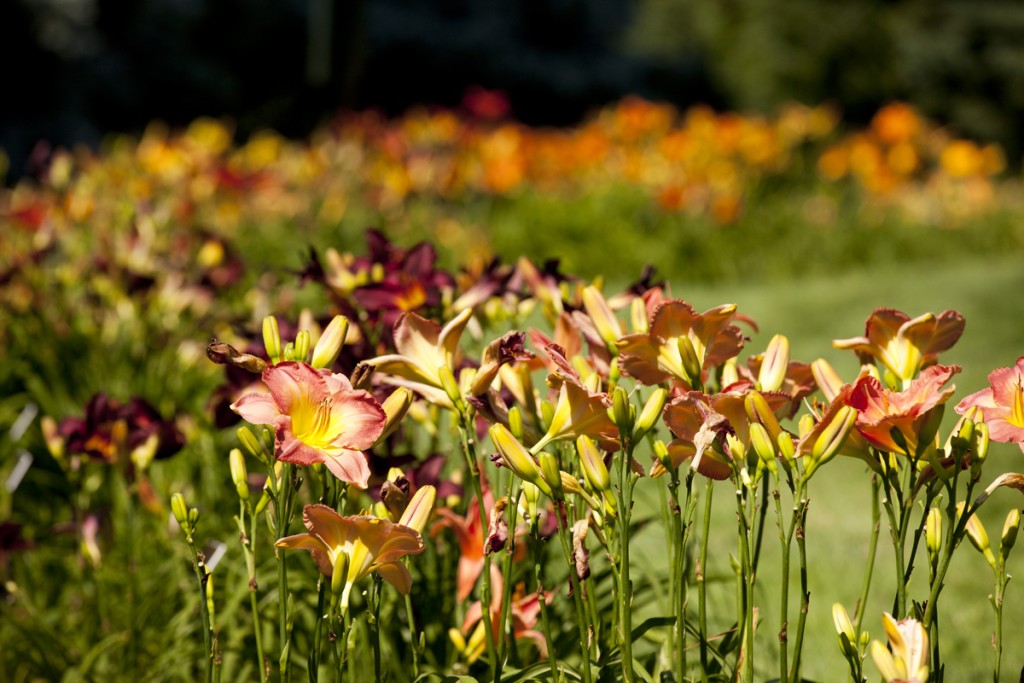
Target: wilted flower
[317, 417]
[1002, 404]
[370, 544]
[700, 432]
[902, 344]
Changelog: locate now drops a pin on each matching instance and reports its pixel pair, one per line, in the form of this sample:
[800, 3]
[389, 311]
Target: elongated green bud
[395, 408]
[330, 343]
[638, 316]
[621, 411]
[515, 422]
[981, 441]
[209, 597]
[1009, 537]
[758, 410]
[272, 339]
[844, 627]
[531, 497]
[239, 476]
[650, 414]
[547, 414]
[418, 511]
[691, 363]
[592, 463]
[978, 536]
[339, 574]
[552, 474]
[662, 454]
[193, 518]
[515, 456]
[827, 379]
[774, 364]
[763, 445]
[252, 444]
[179, 509]
[831, 438]
[450, 386]
[301, 347]
[787, 449]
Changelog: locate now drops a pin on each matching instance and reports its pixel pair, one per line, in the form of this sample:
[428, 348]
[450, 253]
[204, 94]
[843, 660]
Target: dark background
[77, 69]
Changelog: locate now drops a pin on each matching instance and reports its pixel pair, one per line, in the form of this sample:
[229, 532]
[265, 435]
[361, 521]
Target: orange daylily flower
[902, 344]
[882, 410]
[657, 357]
[370, 544]
[698, 428]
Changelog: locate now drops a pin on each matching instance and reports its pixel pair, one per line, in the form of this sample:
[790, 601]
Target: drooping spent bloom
[1002, 404]
[905, 345]
[908, 661]
[370, 544]
[681, 344]
[317, 417]
[908, 412]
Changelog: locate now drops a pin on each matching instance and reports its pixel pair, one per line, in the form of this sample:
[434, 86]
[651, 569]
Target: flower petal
[348, 465]
[258, 409]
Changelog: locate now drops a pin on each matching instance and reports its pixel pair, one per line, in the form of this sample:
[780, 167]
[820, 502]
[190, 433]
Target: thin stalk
[785, 542]
[202, 576]
[473, 465]
[414, 643]
[626, 483]
[538, 565]
[506, 575]
[876, 525]
[702, 584]
[746, 580]
[805, 593]
[997, 603]
[576, 584]
[248, 545]
[373, 622]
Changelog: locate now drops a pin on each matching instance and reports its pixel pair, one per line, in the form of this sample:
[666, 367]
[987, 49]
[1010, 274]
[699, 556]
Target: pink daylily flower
[317, 417]
[1002, 404]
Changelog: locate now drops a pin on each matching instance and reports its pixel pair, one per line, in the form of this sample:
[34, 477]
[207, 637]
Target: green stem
[785, 542]
[248, 544]
[473, 465]
[702, 583]
[577, 587]
[538, 565]
[373, 622]
[805, 594]
[626, 483]
[506, 575]
[745, 587]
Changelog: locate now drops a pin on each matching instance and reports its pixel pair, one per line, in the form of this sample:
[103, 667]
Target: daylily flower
[908, 661]
[708, 338]
[317, 417]
[370, 544]
[423, 348]
[578, 411]
[524, 610]
[469, 531]
[905, 345]
[882, 410]
[698, 429]
[98, 435]
[1002, 404]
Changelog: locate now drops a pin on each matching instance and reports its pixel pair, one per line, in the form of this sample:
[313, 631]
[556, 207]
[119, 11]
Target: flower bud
[622, 414]
[301, 347]
[933, 533]
[450, 386]
[209, 596]
[605, 322]
[691, 363]
[395, 407]
[552, 475]
[650, 414]
[774, 364]
[827, 379]
[547, 415]
[638, 320]
[832, 437]
[193, 518]
[417, 512]
[339, 574]
[531, 496]
[1009, 536]
[844, 627]
[329, 345]
[730, 372]
[252, 444]
[978, 536]
[758, 410]
[515, 456]
[763, 446]
[592, 464]
[272, 339]
[662, 454]
[787, 449]
[179, 509]
[515, 422]
[239, 476]
[54, 441]
[981, 440]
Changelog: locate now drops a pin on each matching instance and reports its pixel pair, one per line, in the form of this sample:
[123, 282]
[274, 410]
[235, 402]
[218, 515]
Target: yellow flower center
[1017, 405]
[312, 423]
